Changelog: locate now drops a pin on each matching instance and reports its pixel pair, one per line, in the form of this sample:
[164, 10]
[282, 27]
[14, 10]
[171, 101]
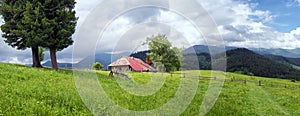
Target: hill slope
[198, 49]
[240, 60]
[293, 53]
[30, 91]
[284, 60]
[249, 62]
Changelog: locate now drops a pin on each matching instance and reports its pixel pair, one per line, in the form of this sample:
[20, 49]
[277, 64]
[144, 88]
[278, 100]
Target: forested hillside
[240, 60]
[249, 62]
[285, 60]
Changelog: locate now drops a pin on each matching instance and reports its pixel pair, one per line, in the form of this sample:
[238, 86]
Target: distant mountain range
[284, 60]
[245, 61]
[240, 60]
[273, 62]
[248, 62]
[291, 53]
[60, 65]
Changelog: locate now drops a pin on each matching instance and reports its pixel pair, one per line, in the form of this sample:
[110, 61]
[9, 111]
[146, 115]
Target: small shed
[128, 64]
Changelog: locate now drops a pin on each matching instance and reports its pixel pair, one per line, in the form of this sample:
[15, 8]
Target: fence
[248, 80]
[264, 83]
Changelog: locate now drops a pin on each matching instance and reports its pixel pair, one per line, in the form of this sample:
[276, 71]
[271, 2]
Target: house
[127, 64]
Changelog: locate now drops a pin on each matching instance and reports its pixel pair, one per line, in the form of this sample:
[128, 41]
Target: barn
[130, 64]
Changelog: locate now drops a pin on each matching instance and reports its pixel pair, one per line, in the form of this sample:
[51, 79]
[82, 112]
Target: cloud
[296, 32]
[239, 22]
[291, 3]
[241, 25]
[125, 34]
[11, 55]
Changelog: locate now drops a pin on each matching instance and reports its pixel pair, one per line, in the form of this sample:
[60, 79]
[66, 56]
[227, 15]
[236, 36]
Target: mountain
[250, 62]
[292, 53]
[103, 58]
[284, 60]
[240, 60]
[141, 55]
[197, 49]
[245, 61]
[197, 61]
[60, 65]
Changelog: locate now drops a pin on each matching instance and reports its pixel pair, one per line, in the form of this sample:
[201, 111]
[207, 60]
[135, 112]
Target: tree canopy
[163, 55]
[34, 23]
[22, 26]
[60, 23]
[97, 66]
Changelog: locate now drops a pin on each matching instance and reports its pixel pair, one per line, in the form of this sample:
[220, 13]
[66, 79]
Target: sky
[240, 23]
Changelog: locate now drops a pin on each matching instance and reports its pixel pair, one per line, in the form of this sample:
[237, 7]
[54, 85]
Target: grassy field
[25, 91]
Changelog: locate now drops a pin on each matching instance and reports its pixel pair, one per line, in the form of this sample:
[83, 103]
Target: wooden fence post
[259, 82]
[245, 81]
[111, 74]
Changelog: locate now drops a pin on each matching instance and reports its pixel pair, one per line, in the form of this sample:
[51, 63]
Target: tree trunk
[53, 58]
[35, 58]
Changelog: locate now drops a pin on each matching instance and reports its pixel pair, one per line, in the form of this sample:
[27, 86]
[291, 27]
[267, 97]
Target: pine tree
[21, 23]
[60, 22]
[35, 23]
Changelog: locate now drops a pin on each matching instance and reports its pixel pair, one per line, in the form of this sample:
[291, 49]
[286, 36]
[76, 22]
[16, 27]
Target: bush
[97, 66]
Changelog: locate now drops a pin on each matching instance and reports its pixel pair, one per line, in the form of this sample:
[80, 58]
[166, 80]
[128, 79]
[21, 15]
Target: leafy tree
[163, 55]
[97, 66]
[22, 26]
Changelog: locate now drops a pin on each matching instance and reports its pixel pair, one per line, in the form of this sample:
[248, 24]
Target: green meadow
[30, 91]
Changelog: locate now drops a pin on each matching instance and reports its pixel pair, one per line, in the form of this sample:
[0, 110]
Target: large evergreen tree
[34, 23]
[22, 22]
[60, 23]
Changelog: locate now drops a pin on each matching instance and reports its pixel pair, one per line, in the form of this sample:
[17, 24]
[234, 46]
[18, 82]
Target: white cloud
[17, 60]
[239, 23]
[291, 3]
[296, 32]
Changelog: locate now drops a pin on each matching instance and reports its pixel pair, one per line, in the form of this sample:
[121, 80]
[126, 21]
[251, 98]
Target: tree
[163, 55]
[97, 66]
[41, 53]
[33, 24]
[59, 22]
[22, 26]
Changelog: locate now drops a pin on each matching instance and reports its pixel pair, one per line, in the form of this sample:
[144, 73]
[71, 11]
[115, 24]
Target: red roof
[135, 63]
